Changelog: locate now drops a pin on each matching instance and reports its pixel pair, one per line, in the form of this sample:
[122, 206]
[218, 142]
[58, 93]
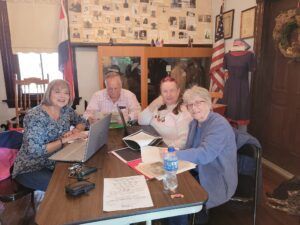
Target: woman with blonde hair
[46, 129]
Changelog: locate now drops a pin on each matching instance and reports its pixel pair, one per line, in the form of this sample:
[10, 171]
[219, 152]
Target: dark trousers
[200, 218]
[178, 220]
[37, 180]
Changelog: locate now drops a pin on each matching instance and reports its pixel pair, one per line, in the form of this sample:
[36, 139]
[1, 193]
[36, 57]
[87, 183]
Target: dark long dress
[236, 90]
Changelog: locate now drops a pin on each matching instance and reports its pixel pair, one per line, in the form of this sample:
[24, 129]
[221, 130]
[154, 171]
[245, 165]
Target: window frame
[42, 74]
[10, 61]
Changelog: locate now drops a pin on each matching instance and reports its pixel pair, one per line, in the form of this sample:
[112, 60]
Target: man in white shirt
[107, 100]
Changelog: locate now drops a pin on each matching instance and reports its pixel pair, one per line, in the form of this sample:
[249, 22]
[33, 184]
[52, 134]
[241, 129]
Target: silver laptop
[82, 150]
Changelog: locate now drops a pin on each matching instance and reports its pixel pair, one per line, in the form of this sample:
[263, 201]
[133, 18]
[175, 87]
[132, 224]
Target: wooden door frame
[257, 77]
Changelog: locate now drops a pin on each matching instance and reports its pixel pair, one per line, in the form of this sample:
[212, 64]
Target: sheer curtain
[33, 25]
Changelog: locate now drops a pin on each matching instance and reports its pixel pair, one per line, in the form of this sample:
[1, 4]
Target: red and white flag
[216, 72]
[64, 50]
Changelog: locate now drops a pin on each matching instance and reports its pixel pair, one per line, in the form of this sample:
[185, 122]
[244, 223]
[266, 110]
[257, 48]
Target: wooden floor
[21, 213]
[233, 215]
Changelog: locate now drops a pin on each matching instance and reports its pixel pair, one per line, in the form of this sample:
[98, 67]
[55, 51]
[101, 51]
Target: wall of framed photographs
[140, 21]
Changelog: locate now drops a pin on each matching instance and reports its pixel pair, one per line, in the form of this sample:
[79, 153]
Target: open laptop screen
[123, 119]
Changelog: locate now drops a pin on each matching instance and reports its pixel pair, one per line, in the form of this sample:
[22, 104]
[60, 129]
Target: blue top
[41, 129]
[215, 156]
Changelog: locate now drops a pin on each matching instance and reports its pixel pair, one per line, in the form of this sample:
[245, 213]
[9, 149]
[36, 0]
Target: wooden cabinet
[144, 54]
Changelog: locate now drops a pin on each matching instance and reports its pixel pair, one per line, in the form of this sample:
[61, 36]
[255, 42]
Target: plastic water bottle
[170, 167]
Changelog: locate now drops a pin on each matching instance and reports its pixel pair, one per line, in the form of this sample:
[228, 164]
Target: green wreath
[286, 24]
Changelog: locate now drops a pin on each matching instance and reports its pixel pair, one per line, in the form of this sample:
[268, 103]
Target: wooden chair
[215, 96]
[24, 98]
[11, 190]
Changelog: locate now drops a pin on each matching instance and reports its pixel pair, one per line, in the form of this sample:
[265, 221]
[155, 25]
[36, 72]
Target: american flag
[64, 49]
[216, 72]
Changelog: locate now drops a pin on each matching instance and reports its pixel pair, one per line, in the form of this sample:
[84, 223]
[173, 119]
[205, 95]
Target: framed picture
[247, 23]
[227, 23]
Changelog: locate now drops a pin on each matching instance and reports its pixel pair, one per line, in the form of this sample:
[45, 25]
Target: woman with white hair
[46, 129]
[211, 145]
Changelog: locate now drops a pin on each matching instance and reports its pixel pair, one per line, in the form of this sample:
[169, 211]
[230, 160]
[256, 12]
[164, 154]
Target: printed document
[126, 193]
[152, 163]
[151, 154]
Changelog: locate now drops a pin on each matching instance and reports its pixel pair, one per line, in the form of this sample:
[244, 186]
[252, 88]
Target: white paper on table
[156, 170]
[152, 163]
[151, 154]
[126, 193]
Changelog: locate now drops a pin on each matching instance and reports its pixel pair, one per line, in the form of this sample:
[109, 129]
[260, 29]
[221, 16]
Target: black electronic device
[86, 170]
[79, 171]
[123, 119]
[79, 188]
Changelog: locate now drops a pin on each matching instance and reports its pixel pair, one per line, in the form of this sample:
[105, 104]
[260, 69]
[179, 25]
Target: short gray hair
[197, 92]
[61, 83]
[111, 75]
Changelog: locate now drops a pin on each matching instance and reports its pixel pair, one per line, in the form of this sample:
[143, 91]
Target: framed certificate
[247, 23]
[227, 22]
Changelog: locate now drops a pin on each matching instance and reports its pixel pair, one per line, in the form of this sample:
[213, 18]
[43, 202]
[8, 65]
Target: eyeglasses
[195, 104]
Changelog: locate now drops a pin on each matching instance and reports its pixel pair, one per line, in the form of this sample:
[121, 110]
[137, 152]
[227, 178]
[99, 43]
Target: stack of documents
[152, 163]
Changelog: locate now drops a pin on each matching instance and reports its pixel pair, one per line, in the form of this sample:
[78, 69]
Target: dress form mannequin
[238, 62]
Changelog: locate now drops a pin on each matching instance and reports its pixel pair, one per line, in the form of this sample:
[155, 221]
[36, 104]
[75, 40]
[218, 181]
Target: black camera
[79, 188]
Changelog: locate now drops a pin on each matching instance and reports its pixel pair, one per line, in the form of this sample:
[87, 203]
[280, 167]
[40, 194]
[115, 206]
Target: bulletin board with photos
[140, 21]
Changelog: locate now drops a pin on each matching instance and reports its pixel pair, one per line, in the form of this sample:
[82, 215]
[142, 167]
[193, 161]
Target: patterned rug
[286, 197]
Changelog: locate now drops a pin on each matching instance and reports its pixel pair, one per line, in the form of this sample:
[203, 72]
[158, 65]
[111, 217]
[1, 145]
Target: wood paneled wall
[276, 93]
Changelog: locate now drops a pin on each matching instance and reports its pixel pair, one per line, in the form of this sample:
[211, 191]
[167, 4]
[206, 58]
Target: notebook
[82, 150]
[140, 139]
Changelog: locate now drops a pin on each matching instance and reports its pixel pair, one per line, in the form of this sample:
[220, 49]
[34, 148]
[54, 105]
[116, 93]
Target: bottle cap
[171, 149]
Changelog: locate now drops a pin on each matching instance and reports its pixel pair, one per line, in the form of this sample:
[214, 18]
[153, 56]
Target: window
[11, 65]
[39, 65]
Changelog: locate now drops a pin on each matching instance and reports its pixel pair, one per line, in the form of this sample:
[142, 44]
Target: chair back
[248, 165]
[249, 176]
[24, 98]
[215, 96]
[10, 143]
[10, 189]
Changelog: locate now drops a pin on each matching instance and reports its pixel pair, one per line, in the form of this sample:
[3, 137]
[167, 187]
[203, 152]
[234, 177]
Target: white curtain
[33, 25]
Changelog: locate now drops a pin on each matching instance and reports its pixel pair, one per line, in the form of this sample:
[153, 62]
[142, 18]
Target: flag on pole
[64, 49]
[216, 72]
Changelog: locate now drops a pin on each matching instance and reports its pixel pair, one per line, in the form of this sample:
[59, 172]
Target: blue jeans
[178, 220]
[37, 180]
